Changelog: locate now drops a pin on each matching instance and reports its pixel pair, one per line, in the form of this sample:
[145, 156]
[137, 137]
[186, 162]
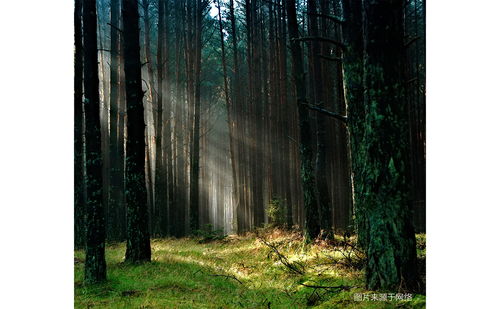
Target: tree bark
[312, 227]
[79, 186]
[382, 201]
[325, 207]
[95, 264]
[161, 197]
[138, 245]
[195, 140]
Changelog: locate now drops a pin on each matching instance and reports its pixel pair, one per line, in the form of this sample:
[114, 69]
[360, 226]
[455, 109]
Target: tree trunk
[325, 208]
[382, 199]
[229, 107]
[114, 223]
[138, 246]
[95, 264]
[161, 197]
[79, 166]
[312, 227]
[195, 150]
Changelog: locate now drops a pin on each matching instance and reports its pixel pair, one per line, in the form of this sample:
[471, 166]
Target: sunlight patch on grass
[237, 272]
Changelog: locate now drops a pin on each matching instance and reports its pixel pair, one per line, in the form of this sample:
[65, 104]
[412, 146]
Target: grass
[236, 272]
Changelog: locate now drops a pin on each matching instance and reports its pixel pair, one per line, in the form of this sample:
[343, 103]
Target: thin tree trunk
[229, 108]
[312, 227]
[95, 264]
[79, 185]
[325, 208]
[195, 151]
[161, 197]
[114, 200]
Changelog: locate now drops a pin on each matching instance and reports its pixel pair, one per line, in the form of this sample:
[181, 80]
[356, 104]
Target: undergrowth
[267, 269]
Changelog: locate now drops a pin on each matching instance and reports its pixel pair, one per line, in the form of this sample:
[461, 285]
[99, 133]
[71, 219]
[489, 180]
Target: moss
[182, 275]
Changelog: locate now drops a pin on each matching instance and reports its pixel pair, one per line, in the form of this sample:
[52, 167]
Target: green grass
[237, 272]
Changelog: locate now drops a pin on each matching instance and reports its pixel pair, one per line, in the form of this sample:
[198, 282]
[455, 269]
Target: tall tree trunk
[116, 180]
[95, 264]
[325, 208]
[167, 122]
[195, 150]
[161, 197]
[312, 227]
[138, 245]
[79, 186]
[382, 199]
[177, 211]
[229, 107]
[341, 163]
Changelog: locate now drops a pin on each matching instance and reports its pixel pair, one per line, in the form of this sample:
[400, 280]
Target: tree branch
[116, 28]
[327, 112]
[330, 58]
[322, 39]
[329, 17]
[413, 39]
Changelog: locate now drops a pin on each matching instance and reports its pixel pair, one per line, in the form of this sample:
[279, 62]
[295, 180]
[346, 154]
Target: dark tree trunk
[285, 110]
[161, 197]
[177, 209]
[195, 140]
[238, 123]
[95, 264]
[325, 207]
[116, 206]
[386, 231]
[353, 78]
[79, 186]
[138, 246]
[312, 227]
[167, 122]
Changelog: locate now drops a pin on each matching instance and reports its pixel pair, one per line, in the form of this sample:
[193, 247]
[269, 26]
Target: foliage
[237, 272]
[276, 212]
[208, 233]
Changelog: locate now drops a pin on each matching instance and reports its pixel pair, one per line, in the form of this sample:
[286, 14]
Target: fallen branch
[226, 276]
[294, 267]
[218, 275]
[339, 287]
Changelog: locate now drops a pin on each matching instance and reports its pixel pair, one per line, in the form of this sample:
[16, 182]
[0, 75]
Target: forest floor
[268, 269]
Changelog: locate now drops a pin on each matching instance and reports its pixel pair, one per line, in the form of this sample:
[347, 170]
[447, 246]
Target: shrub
[276, 212]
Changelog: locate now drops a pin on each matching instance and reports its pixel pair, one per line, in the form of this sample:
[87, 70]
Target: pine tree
[138, 245]
[95, 264]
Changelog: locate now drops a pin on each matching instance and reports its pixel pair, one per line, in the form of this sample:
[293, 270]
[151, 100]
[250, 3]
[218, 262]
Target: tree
[161, 196]
[79, 185]
[138, 245]
[229, 103]
[116, 205]
[325, 210]
[95, 264]
[382, 192]
[312, 228]
[194, 61]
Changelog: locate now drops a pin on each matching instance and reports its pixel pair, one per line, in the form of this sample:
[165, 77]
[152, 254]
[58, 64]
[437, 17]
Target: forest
[249, 153]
